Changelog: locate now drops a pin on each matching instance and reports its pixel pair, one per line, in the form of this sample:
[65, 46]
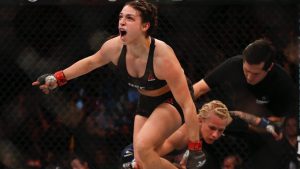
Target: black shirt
[275, 95]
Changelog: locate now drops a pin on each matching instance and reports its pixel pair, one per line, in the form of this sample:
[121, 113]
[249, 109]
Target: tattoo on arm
[249, 118]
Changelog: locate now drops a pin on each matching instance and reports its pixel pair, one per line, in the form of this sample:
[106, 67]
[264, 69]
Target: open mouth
[123, 32]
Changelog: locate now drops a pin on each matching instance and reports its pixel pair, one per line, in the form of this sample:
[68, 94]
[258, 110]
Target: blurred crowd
[92, 119]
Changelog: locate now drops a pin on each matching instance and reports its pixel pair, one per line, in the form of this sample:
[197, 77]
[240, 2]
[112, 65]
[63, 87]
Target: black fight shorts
[147, 104]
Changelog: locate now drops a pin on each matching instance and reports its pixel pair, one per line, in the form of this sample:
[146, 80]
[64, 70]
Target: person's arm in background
[220, 74]
[260, 122]
[200, 88]
[178, 140]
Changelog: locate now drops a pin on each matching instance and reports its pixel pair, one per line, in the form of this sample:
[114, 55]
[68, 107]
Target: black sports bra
[149, 81]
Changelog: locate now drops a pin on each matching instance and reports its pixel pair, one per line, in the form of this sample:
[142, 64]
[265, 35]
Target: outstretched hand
[46, 83]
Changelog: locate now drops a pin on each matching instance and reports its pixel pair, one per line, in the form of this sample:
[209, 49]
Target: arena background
[92, 115]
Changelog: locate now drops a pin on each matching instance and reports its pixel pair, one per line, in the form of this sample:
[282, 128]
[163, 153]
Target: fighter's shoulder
[113, 43]
[112, 49]
[164, 56]
[163, 53]
[162, 47]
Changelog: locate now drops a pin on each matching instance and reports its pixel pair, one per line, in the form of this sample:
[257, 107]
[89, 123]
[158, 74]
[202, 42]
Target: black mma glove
[298, 151]
[127, 157]
[128, 165]
[196, 157]
[53, 80]
[269, 126]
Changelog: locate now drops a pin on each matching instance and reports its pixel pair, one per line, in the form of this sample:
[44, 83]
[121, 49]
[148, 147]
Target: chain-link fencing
[93, 115]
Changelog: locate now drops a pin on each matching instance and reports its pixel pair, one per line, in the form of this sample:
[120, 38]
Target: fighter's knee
[140, 147]
[143, 150]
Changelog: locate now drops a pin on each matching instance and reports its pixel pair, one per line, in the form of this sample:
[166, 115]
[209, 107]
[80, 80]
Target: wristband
[60, 77]
[195, 145]
[263, 122]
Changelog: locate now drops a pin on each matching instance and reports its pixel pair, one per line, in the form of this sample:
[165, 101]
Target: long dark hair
[148, 13]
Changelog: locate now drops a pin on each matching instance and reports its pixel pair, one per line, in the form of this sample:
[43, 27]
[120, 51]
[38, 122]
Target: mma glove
[53, 80]
[129, 165]
[196, 157]
[269, 126]
[127, 158]
[298, 151]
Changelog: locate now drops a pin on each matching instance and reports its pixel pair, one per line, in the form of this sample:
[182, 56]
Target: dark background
[92, 115]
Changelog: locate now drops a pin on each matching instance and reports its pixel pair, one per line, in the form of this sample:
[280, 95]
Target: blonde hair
[216, 107]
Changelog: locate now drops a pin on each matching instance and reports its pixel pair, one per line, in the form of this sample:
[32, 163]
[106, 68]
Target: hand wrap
[269, 126]
[53, 80]
[127, 157]
[196, 157]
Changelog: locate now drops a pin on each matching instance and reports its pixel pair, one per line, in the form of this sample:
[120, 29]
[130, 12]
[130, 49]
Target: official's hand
[196, 158]
[275, 131]
[271, 128]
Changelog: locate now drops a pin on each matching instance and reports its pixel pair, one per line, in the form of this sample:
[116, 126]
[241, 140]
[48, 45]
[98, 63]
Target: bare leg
[139, 121]
[160, 125]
